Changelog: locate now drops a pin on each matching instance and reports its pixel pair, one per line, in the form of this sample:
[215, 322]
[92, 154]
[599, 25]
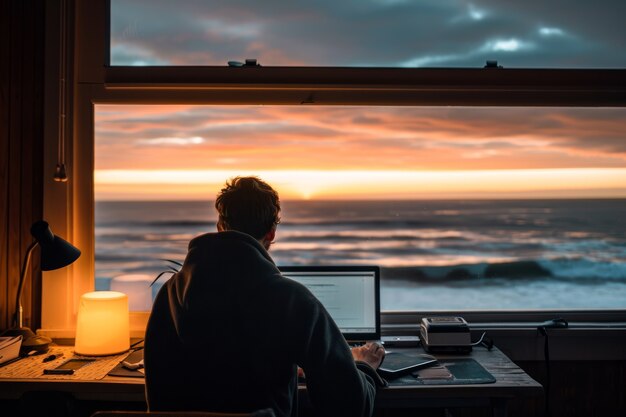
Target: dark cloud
[557, 33]
[281, 134]
[366, 120]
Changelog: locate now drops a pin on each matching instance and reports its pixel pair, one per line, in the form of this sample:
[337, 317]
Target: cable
[60, 172]
[486, 342]
[479, 340]
[134, 346]
[543, 329]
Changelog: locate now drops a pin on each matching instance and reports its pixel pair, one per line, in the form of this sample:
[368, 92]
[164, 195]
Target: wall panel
[21, 137]
[5, 30]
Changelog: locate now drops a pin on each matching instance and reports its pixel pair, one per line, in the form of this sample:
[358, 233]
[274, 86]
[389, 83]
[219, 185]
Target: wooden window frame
[70, 206]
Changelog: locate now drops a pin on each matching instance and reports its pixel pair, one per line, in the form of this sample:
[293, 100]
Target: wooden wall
[21, 146]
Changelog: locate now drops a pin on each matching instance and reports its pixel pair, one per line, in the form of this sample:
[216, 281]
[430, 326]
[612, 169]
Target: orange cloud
[339, 139]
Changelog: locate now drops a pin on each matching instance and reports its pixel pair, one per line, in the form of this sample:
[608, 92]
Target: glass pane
[362, 33]
[463, 208]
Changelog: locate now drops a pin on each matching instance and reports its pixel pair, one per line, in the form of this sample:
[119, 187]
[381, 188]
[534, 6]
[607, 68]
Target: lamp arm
[17, 317]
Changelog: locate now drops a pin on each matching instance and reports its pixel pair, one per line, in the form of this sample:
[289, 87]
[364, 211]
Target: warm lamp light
[102, 326]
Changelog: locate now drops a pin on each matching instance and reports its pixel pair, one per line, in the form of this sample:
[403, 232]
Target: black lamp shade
[55, 251]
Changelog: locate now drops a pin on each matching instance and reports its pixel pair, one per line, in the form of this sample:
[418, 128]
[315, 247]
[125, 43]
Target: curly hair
[248, 205]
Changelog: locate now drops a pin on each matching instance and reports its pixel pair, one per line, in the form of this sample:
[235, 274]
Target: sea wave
[441, 241]
[583, 268]
[578, 270]
[367, 235]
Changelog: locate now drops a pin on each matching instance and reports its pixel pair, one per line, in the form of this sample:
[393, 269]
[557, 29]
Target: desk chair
[260, 413]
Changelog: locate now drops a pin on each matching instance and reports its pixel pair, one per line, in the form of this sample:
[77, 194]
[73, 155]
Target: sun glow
[361, 184]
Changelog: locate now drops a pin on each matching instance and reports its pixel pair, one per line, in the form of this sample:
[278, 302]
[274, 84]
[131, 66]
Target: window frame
[70, 206]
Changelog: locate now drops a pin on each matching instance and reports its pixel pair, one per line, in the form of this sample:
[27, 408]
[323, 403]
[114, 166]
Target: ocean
[434, 255]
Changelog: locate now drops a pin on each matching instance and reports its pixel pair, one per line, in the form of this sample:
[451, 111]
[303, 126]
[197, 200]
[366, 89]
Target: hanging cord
[543, 330]
[486, 342]
[60, 172]
[135, 346]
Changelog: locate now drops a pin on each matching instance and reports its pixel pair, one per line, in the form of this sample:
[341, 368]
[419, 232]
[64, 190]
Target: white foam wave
[585, 268]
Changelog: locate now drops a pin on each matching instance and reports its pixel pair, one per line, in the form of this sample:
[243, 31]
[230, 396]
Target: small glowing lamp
[102, 326]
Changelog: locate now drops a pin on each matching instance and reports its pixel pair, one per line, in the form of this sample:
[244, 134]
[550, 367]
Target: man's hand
[370, 353]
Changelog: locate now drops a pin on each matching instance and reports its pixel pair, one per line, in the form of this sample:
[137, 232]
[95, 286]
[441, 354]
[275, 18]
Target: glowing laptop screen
[349, 294]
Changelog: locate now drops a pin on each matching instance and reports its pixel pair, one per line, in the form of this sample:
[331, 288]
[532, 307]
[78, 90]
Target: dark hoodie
[227, 333]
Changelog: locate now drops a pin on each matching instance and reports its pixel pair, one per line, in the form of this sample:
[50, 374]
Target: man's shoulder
[284, 287]
[282, 282]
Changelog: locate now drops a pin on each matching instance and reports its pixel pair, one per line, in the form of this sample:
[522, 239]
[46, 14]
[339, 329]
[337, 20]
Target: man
[228, 332]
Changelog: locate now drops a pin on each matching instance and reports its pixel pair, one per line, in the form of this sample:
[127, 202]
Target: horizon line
[368, 200]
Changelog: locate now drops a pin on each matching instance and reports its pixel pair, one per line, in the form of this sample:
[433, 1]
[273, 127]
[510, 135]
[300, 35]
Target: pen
[51, 358]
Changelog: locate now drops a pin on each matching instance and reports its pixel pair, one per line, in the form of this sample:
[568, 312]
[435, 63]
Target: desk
[511, 382]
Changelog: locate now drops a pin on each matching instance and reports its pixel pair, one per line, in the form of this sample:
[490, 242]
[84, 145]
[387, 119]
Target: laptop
[350, 294]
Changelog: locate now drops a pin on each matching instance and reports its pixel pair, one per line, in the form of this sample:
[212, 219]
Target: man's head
[251, 206]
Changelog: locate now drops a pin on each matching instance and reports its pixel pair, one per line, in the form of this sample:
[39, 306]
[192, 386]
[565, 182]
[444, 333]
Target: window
[463, 208]
[70, 206]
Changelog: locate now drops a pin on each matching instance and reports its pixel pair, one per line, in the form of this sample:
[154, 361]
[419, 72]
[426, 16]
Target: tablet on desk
[397, 364]
[68, 367]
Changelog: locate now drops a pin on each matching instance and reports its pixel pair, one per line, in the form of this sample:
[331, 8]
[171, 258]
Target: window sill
[590, 336]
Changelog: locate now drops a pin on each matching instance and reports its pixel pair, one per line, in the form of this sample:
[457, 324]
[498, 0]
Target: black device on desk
[397, 364]
[68, 367]
[400, 341]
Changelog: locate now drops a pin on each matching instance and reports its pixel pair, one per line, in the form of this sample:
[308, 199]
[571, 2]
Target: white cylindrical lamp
[102, 326]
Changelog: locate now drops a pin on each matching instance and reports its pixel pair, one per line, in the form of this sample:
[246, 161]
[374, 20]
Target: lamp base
[30, 340]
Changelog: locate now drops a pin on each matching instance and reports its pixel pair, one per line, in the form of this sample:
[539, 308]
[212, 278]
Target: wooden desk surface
[511, 382]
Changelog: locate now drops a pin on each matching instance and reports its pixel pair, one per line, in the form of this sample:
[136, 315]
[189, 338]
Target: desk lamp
[102, 326]
[55, 253]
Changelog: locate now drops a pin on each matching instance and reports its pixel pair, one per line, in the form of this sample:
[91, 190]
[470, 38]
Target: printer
[445, 335]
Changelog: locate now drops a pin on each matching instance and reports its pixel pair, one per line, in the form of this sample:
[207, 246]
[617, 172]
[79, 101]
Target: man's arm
[335, 386]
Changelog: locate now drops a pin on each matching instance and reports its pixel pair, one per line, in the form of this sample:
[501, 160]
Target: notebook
[350, 294]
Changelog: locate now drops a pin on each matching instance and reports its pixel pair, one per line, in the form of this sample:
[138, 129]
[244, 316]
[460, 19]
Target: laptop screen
[350, 294]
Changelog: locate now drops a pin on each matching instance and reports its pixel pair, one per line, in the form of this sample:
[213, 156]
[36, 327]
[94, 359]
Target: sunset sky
[187, 152]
